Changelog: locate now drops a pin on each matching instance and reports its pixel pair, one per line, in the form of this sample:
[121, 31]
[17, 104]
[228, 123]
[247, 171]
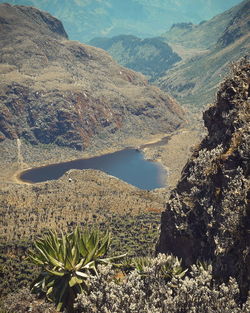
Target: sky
[86, 19]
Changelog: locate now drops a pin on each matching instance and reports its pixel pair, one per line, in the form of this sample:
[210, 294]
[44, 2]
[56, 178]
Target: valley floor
[93, 196]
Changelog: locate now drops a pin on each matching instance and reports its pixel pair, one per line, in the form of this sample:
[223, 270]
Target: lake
[128, 165]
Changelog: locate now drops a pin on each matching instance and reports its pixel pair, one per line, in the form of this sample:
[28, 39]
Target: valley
[143, 18]
[189, 60]
[145, 102]
[71, 101]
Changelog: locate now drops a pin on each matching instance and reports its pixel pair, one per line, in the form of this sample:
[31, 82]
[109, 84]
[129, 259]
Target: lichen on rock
[208, 214]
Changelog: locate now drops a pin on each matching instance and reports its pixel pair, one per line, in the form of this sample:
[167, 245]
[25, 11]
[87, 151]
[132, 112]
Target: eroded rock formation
[208, 214]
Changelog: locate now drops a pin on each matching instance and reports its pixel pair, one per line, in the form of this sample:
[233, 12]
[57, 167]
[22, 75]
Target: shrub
[136, 293]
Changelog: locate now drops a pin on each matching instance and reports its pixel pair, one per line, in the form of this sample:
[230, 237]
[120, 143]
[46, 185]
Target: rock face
[208, 214]
[150, 56]
[56, 91]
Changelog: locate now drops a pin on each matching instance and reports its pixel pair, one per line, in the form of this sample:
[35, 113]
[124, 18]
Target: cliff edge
[208, 214]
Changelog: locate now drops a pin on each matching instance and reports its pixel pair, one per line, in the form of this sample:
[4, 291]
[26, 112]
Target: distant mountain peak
[207, 49]
[84, 20]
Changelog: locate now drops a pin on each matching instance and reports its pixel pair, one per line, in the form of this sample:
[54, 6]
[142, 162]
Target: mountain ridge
[150, 56]
[194, 58]
[84, 19]
[194, 81]
[58, 91]
[205, 34]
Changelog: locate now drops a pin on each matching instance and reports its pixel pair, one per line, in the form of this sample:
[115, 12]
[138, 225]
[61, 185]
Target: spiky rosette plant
[67, 262]
[165, 266]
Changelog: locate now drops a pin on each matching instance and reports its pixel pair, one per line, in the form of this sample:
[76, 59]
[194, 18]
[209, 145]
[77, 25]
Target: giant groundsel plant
[67, 262]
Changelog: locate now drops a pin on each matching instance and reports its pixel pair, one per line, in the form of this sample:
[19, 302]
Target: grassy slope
[195, 80]
[201, 36]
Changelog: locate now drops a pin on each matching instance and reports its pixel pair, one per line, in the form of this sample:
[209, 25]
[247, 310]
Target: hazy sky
[85, 19]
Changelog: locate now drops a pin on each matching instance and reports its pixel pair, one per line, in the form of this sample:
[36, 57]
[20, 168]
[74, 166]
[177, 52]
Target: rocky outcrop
[56, 91]
[208, 214]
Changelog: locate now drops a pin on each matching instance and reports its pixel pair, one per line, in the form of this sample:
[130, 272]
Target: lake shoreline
[128, 165]
[171, 151]
[16, 177]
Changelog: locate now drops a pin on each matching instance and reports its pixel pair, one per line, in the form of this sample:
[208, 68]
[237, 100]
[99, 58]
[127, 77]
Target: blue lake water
[127, 165]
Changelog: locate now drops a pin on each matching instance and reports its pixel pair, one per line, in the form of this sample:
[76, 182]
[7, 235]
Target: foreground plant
[164, 266]
[193, 293]
[67, 262]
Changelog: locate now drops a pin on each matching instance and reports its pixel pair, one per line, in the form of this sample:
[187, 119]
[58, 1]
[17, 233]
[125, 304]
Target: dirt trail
[19, 154]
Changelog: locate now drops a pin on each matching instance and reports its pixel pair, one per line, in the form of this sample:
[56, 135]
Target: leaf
[75, 255]
[110, 259]
[105, 245]
[42, 254]
[55, 262]
[53, 272]
[92, 241]
[49, 291]
[59, 306]
[35, 260]
[89, 265]
[91, 254]
[37, 283]
[79, 265]
[82, 247]
[53, 251]
[84, 275]
[74, 280]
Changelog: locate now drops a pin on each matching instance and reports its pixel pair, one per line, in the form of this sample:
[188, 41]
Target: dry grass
[92, 196]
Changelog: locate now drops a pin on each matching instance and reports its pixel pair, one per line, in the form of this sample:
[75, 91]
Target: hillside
[150, 56]
[207, 216]
[226, 38]
[206, 49]
[203, 35]
[85, 19]
[61, 92]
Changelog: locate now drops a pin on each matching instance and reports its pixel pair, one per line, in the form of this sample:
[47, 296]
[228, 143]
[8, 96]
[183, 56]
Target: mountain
[56, 91]
[202, 35]
[86, 19]
[150, 56]
[205, 49]
[207, 216]
[210, 47]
